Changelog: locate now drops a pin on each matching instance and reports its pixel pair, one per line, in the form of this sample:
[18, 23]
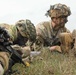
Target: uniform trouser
[66, 40]
[4, 62]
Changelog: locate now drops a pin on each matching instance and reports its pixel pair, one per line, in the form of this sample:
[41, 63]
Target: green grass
[49, 63]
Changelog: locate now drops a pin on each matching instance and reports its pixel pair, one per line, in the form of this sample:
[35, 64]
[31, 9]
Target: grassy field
[49, 63]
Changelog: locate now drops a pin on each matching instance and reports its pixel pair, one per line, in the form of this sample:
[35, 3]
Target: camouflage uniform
[74, 40]
[59, 36]
[22, 35]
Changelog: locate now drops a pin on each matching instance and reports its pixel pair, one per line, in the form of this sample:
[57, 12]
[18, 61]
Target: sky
[13, 10]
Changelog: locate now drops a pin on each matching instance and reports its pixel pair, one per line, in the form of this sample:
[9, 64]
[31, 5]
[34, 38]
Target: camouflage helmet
[58, 10]
[26, 29]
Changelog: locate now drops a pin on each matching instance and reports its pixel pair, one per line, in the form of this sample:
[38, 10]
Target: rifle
[4, 42]
[52, 41]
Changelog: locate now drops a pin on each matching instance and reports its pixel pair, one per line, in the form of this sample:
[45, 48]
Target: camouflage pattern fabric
[45, 32]
[11, 29]
[1, 70]
[74, 40]
[26, 28]
[74, 33]
[19, 34]
[58, 10]
[4, 59]
[66, 40]
[24, 51]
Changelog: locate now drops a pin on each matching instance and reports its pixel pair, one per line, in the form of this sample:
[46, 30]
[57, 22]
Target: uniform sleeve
[39, 43]
[40, 29]
[42, 32]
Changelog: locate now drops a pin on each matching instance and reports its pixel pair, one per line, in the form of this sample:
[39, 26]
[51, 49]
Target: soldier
[4, 56]
[53, 34]
[22, 35]
[74, 37]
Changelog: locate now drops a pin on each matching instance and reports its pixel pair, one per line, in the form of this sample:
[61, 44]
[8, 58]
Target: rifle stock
[15, 56]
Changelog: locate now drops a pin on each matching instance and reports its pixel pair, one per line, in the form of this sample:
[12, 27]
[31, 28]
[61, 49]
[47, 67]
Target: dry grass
[48, 63]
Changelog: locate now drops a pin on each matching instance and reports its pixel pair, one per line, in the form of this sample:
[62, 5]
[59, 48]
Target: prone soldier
[22, 36]
[53, 34]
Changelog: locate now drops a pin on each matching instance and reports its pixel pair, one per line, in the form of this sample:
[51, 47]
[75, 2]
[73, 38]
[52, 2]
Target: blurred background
[13, 10]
